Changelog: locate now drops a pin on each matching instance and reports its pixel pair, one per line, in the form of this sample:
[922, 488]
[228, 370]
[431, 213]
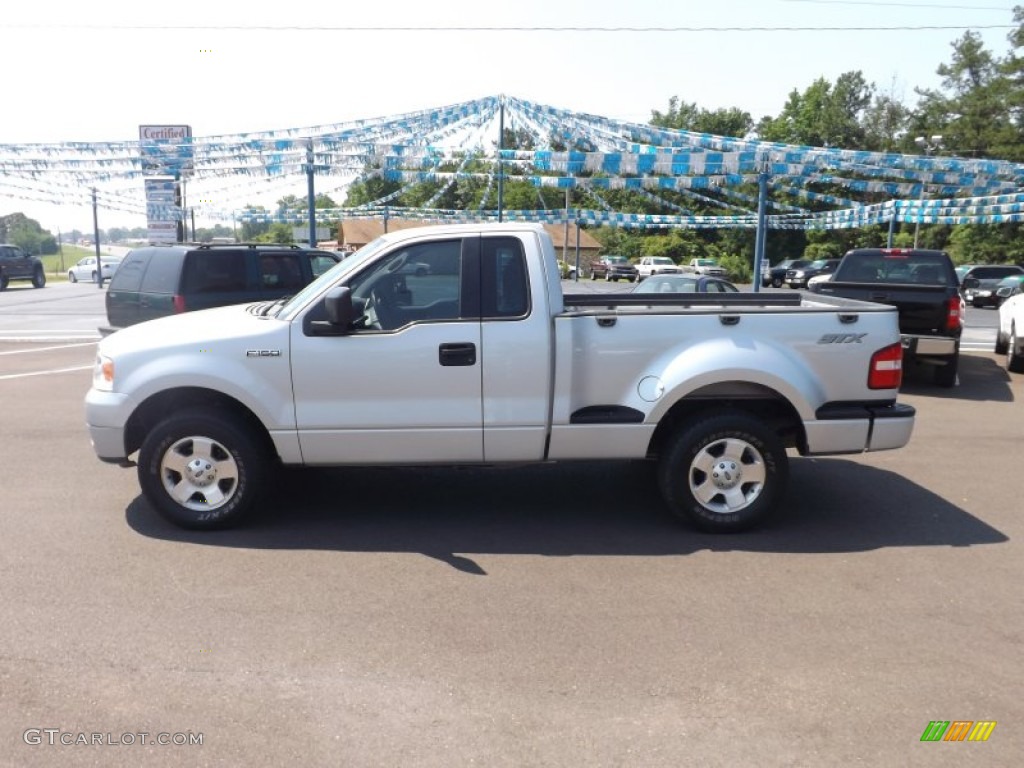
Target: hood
[221, 324]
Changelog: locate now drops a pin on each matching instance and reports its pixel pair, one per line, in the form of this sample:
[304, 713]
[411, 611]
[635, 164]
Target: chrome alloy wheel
[199, 473]
[727, 475]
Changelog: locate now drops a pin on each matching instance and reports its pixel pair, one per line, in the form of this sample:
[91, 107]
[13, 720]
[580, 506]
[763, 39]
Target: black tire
[236, 455]
[38, 278]
[72, 278]
[718, 445]
[1001, 344]
[593, 275]
[776, 282]
[4, 282]
[945, 375]
[94, 277]
[632, 279]
[1014, 359]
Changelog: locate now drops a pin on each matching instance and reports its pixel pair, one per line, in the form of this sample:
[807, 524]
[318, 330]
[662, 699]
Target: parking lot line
[44, 373]
[46, 349]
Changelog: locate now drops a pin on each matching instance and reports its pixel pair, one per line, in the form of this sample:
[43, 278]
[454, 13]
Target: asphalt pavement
[529, 616]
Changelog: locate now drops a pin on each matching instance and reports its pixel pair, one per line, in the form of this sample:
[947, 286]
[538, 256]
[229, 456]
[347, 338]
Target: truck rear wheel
[38, 278]
[945, 374]
[201, 470]
[724, 472]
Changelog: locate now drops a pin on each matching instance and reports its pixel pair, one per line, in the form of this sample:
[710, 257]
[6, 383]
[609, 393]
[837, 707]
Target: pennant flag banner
[460, 144]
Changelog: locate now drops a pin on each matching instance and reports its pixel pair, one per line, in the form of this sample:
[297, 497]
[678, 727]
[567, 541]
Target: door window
[419, 283]
[505, 291]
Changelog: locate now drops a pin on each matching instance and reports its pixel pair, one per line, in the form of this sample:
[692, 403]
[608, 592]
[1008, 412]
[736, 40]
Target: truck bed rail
[612, 300]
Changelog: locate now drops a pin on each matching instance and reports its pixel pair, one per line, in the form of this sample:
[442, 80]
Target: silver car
[85, 269]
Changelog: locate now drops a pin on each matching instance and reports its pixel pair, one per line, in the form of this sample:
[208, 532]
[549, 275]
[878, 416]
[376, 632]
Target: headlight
[103, 374]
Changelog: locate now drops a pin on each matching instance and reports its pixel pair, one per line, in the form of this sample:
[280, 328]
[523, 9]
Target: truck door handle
[458, 353]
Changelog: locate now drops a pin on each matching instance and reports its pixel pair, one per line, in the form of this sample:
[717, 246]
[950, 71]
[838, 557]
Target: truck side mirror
[338, 305]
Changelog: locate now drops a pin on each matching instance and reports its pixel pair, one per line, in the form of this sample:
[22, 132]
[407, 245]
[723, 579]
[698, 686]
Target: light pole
[929, 144]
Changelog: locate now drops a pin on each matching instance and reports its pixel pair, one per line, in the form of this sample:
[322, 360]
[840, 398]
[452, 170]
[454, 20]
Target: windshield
[615, 259]
[706, 262]
[329, 278]
[662, 260]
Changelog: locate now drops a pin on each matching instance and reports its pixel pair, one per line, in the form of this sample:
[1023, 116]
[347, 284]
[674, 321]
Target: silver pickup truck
[455, 345]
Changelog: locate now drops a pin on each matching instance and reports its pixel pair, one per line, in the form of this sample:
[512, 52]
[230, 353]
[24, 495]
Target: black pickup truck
[16, 264]
[923, 287]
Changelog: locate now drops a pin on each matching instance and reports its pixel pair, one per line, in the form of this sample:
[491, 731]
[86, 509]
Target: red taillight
[178, 302]
[886, 368]
[955, 314]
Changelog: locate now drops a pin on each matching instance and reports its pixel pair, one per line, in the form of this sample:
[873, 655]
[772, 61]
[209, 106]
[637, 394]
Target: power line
[484, 29]
[937, 6]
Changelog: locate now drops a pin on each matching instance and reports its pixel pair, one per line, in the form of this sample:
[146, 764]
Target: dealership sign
[167, 159]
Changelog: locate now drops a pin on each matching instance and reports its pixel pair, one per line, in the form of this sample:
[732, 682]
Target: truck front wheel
[724, 472]
[201, 470]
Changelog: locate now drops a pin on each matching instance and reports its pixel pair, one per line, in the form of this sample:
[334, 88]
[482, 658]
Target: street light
[929, 144]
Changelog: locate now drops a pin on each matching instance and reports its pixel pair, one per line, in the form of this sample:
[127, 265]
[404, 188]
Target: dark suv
[613, 268]
[161, 280]
[16, 264]
[979, 283]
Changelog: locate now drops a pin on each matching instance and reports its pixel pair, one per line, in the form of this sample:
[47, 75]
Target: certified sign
[166, 150]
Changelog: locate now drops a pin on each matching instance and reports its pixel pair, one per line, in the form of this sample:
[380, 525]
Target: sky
[96, 71]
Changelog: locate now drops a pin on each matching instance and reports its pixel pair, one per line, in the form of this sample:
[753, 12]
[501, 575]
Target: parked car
[962, 270]
[706, 266]
[1010, 334]
[85, 269]
[797, 277]
[685, 284]
[161, 280]
[657, 265]
[777, 274]
[818, 280]
[1007, 287]
[614, 268]
[18, 264]
[979, 284]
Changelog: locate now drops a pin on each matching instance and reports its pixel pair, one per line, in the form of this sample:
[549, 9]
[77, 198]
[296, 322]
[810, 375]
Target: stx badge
[842, 338]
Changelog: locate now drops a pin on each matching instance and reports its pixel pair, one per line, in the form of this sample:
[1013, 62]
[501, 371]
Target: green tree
[686, 116]
[252, 231]
[824, 115]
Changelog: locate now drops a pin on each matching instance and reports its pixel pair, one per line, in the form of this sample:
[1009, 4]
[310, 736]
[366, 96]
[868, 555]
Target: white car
[817, 280]
[85, 269]
[1010, 335]
[657, 265]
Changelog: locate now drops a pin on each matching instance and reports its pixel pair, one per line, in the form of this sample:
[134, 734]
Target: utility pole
[311, 193]
[929, 145]
[96, 240]
[501, 161]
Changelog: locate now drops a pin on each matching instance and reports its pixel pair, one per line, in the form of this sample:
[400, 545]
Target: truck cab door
[403, 383]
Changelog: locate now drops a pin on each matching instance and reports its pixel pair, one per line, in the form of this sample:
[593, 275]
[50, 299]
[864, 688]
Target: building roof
[356, 233]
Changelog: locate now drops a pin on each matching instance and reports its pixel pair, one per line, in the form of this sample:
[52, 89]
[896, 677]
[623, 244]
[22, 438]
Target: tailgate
[922, 308]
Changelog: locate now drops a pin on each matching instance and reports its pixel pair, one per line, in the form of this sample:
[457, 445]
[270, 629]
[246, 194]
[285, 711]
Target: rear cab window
[928, 268]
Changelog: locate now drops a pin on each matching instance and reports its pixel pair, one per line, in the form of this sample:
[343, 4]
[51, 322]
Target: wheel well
[157, 407]
[764, 403]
